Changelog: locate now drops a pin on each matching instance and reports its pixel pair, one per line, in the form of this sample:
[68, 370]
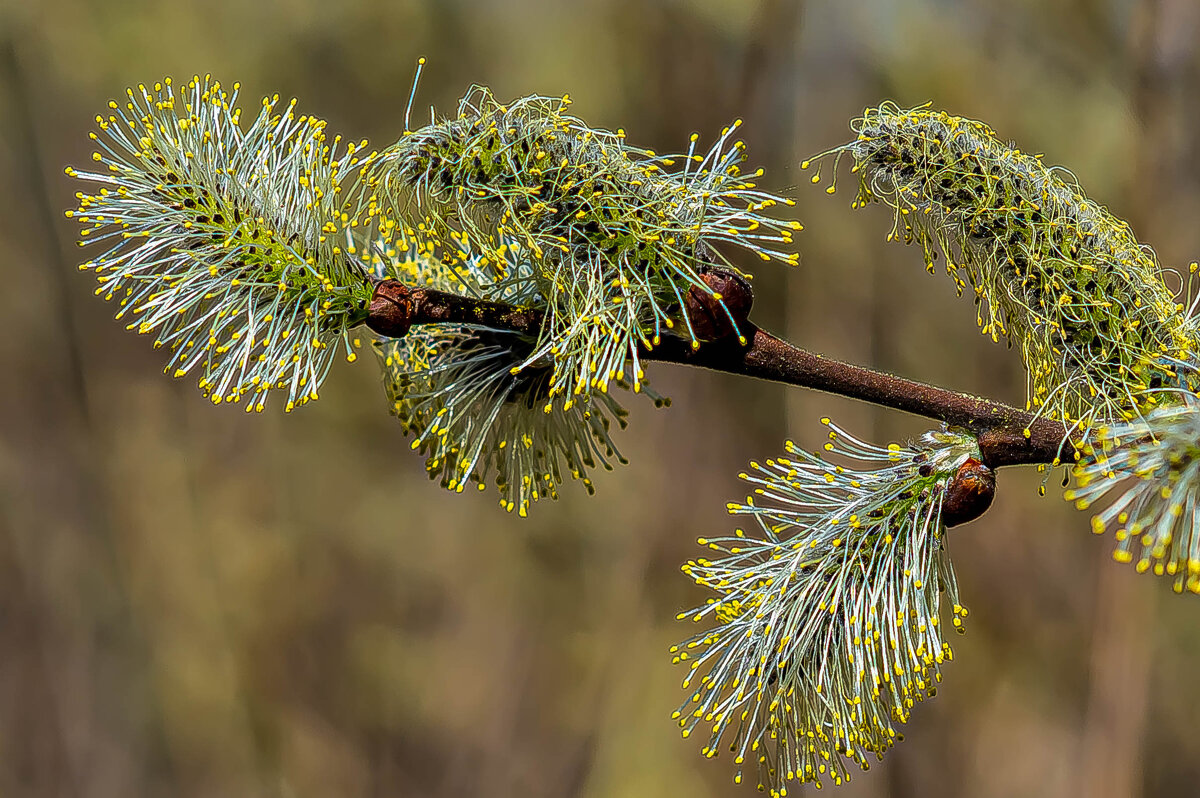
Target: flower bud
[969, 493]
[721, 310]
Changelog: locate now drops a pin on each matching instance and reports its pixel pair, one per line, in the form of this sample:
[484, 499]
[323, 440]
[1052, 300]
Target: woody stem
[1006, 435]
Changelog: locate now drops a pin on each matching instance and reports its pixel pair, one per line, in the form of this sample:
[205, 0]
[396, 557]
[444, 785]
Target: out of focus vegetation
[194, 602]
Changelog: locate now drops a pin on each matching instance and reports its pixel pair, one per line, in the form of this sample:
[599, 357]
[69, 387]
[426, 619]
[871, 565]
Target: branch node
[724, 309]
[392, 308]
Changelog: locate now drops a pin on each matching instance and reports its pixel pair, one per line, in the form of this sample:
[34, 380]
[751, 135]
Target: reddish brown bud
[969, 493]
[391, 309]
[714, 313]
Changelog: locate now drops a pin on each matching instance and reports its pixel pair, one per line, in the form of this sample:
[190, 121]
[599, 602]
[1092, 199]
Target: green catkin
[1149, 470]
[473, 404]
[615, 236]
[232, 246]
[826, 626]
[1053, 270]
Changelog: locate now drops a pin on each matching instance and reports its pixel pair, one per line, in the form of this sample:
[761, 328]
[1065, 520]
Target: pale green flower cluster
[1052, 269]
[232, 247]
[1152, 466]
[472, 398]
[826, 624]
[615, 235]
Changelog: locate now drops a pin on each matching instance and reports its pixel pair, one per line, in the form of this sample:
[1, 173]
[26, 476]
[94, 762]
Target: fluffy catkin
[1053, 270]
[232, 245]
[466, 393]
[616, 235]
[1145, 476]
[825, 629]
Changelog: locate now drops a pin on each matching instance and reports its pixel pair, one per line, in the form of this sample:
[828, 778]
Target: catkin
[1051, 269]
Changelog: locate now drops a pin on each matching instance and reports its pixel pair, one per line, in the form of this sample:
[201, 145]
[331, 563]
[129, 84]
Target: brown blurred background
[194, 602]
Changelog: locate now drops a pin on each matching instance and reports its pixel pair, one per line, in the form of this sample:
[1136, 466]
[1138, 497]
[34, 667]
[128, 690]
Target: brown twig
[1001, 429]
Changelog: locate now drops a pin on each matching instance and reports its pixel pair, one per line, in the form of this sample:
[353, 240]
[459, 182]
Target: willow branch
[1007, 435]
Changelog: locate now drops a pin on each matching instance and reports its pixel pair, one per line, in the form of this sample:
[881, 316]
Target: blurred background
[194, 602]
